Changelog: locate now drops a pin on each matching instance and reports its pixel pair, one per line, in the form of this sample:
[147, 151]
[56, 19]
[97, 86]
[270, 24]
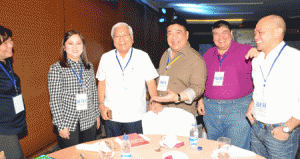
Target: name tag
[260, 105]
[163, 83]
[218, 79]
[18, 103]
[81, 101]
[260, 108]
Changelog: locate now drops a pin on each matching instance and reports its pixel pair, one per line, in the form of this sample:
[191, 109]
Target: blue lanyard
[127, 61]
[79, 79]
[265, 79]
[221, 60]
[12, 78]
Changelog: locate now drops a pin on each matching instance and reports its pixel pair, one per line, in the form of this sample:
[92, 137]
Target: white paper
[88, 147]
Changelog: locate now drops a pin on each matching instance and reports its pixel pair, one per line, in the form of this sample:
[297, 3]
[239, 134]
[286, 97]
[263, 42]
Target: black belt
[269, 126]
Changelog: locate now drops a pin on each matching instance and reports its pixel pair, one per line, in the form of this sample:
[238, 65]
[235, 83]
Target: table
[146, 151]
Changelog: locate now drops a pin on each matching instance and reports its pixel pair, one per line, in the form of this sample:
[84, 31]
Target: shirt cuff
[191, 95]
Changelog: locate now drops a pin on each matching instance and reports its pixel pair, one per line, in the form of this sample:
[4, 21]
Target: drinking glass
[223, 147]
[106, 149]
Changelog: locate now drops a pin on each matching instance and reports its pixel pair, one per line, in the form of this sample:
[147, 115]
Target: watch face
[286, 129]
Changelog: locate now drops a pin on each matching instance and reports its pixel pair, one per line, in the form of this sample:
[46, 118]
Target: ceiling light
[212, 4]
[209, 21]
[161, 20]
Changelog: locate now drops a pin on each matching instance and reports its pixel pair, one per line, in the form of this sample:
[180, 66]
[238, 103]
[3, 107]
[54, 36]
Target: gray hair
[119, 24]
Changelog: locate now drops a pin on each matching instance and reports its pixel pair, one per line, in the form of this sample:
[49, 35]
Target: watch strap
[179, 97]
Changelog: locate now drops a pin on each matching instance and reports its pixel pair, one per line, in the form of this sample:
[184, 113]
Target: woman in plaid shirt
[73, 93]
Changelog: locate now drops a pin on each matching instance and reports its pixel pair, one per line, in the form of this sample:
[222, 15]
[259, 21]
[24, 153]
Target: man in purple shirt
[228, 89]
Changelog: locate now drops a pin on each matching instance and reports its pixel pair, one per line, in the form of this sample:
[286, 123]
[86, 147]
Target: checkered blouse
[63, 86]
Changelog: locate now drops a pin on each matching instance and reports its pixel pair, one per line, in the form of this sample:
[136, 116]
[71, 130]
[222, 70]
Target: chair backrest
[170, 121]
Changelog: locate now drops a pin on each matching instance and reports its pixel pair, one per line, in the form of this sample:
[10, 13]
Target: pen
[82, 156]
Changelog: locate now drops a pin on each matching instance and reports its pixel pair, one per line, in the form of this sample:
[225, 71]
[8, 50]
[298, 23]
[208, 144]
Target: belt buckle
[265, 126]
[272, 126]
[262, 125]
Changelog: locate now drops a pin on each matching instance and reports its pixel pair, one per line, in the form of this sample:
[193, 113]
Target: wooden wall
[38, 28]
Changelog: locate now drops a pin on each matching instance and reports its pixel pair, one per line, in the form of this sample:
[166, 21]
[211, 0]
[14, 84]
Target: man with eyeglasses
[123, 74]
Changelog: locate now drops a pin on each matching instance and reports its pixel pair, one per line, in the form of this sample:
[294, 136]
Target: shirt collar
[183, 51]
[6, 61]
[72, 63]
[230, 49]
[127, 56]
[273, 54]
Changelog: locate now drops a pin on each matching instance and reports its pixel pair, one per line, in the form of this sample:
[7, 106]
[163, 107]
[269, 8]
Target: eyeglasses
[125, 36]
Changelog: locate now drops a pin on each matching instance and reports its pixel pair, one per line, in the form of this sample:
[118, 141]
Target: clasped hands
[65, 133]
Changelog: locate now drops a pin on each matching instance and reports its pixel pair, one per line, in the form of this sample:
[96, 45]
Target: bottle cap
[199, 148]
[125, 137]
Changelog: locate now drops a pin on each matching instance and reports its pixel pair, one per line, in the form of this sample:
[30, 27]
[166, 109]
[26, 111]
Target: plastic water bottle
[126, 148]
[194, 137]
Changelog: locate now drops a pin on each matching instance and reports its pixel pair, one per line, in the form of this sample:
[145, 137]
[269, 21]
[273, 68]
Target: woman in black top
[12, 110]
[73, 93]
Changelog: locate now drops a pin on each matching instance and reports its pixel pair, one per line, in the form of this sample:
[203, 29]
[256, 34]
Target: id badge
[163, 83]
[218, 79]
[260, 106]
[81, 101]
[18, 103]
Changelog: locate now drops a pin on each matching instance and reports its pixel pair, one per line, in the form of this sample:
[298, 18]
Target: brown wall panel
[94, 19]
[36, 26]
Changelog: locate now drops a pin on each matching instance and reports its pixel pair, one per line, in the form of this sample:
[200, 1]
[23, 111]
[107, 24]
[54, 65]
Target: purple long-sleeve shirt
[238, 72]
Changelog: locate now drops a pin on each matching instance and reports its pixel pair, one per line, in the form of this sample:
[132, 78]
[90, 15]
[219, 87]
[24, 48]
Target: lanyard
[221, 60]
[12, 78]
[265, 79]
[79, 79]
[127, 61]
[169, 64]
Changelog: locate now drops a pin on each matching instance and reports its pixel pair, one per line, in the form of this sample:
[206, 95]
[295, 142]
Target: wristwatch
[179, 98]
[286, 129]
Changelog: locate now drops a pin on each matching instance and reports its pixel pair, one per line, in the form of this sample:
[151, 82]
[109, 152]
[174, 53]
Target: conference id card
[260, 108]
[163, 83]
[260, 105]
[81, 101]
[218, 79]
[18, 103]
